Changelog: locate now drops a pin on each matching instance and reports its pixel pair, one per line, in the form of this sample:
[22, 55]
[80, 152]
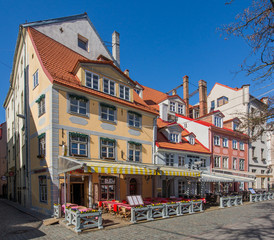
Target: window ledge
[108, 121]
[41, 115]
[135, 128]
[78, 115]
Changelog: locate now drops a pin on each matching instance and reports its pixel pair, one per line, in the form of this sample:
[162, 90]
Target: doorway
[167, 186]
[77, 193]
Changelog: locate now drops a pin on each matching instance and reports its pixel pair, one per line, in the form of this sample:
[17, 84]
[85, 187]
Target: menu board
[252, 190]
[135, 200]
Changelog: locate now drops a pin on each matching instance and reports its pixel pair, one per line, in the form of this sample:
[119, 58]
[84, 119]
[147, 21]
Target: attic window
[174, 137]
[192, 140]
[82, 42]
[218, 121]
[235, 126]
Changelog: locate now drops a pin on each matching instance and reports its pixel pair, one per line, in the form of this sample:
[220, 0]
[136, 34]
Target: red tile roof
[58, 63]
[162, 142]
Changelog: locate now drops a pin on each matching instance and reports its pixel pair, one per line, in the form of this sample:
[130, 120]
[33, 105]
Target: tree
[256, 26]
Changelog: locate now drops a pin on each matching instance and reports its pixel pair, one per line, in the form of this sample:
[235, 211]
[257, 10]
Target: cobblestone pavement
[251, 221]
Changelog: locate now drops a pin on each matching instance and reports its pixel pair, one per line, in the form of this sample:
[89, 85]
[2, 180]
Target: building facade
[3, 160]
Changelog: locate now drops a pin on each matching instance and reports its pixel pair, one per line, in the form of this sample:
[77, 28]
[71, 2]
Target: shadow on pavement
[22, 232]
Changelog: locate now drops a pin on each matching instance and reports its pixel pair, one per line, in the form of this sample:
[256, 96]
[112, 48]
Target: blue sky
[160, 41]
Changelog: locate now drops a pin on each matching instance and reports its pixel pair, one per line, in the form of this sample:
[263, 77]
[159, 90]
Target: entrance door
[133, 187]
[167, 186]
[77, 193]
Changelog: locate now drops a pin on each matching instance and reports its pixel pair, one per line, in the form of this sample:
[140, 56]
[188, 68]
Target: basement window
[82, 42]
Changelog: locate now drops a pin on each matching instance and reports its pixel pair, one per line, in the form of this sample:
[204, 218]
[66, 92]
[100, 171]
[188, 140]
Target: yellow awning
[172, 171]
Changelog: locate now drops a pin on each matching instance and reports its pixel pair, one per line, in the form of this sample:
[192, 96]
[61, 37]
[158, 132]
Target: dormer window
[82, 42]
[218, 121]
[191, 140]
[124, 92]
[109, 87]
[92, 80]
[172, 106]
[180, 108]
[174, 137]
[222, 101]
[235, 126]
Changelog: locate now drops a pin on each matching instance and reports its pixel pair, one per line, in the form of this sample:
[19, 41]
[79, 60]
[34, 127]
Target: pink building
[3, 159]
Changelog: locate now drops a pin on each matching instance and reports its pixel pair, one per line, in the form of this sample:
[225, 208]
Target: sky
[160, 41]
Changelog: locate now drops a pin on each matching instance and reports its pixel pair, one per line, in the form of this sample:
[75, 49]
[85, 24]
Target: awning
[173, 171]
[207, 177]
[101, 166]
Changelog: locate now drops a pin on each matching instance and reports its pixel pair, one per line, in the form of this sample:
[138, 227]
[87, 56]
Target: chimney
[203, 97]
[126, 72]
[116, 46]
[186, 94]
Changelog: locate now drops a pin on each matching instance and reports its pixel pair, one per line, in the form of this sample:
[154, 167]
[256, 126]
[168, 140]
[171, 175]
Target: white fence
[231, 201]
[83, 220]
[165, 210]
[261, 197]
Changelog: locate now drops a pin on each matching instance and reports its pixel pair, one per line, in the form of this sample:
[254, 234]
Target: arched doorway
[133, 186]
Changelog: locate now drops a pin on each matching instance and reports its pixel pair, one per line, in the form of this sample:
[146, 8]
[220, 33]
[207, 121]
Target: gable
[67, 32]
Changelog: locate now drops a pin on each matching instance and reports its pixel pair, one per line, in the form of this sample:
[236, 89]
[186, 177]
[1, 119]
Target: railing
[57, 213]
[83, 220]
[165, 210]
[261, 197]
[231, 201]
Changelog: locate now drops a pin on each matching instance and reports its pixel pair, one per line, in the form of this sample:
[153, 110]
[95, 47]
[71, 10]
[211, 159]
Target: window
[181, 161]
[108, 112]
[35, 79]
[82, 42]
[42, 145]
[172, 106]
[212, 105]
[217, 161]
[107, 148]
[192, 140]
[253, 170]
[41, 105]
[242, 164]
[180, 108]
[225, 142]
[78, 104]
[92, 80]
[217, 140]
[203, 164]
[225, 162]
[181, 188]
[234, 144]
[253, 152]
[124, 92]
[234, 163]
[134, 152]
[138, 91]
[235, 126]
[218, 121]
[174, 137]
[78, 144]
[196, 113]
[262, 171]
[262, 153]
[43, 189]
[109, 87]
[107, 187]
[242, 146]
[221, 101]
[134, 119]
[169, 159]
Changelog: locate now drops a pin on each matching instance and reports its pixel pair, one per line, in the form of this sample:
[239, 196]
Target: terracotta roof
[161, 123]
[162, 142]
[58, 63]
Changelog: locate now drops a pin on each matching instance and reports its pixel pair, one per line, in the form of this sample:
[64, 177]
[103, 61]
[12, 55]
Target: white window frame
[90, 80]
[217, 161]
[234, 163]
[241, 164]
[106, 113]
[181, 161]
[108, 145]
[181, 187]
[225, 142]
[174, 137]
[181, 109]
[35, 77]
[216, 140]
[218, 121]
[109, 82]
[134, 120]
[234, 144]
[192, 140]
[225, 162]
[172, 106]
[79, 141]
[124, 92]
[78, 106]
[169, 159]
[43, 189]
[203, 164]
[242, 146]
[42, 107]
[134, 150]
[84, 41]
